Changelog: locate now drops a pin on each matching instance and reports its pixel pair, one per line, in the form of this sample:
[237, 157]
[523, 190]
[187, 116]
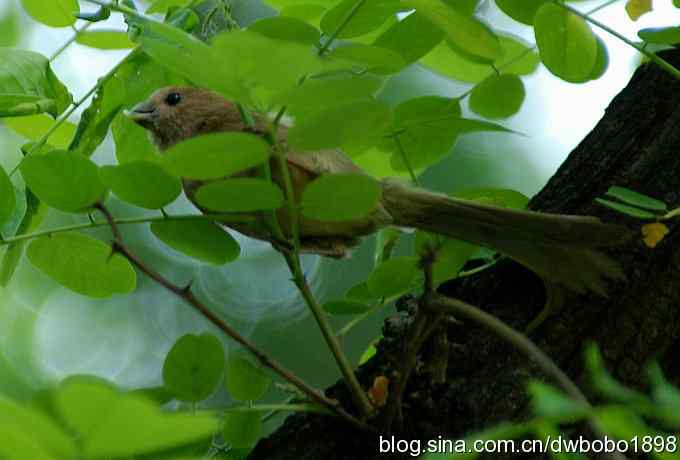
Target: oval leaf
[53, 13]
[214, 156]
[286, 28]
[64, 180]
[637, 199]
[245, 381]
[337, 197]
[523, 11]
[193, 367]
[353, 19]
[628, 210]
[83, 264]
[393, 277]
[567, 46]
[242, 428]
[346, 307]
[200, 239]
[239, 195]
[141, 183]
[661, 35]
[499, 96]
[105, 39]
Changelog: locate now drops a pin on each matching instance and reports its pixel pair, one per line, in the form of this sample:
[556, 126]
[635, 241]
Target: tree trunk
[635, 145]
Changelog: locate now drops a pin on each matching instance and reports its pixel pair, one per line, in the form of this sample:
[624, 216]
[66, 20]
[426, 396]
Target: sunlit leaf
[345, 307]
[64, 180]
[464, 31]
[162, 6]
[518, 59]
[28, 86]
[499, 96]
[141, 183]
[361, 121]
[567, 46]
[200, 239]
[637, 8]
[602, 61]
[338, 197]
[241, 428]
[105, 39]
[132, 141]
[523, 11]
[286, 28]
[358, 18]
[53, 13]
[320, 93]
[7, 197]
[213, 156]
[113, 425]
[83, 264]
[381, 61]
[393, 277]
[35, 126]
[246, 381]
[194, 366]
[240, 195]
[412, 37]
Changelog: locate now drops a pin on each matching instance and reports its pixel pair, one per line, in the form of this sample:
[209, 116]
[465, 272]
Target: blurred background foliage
[48, 332]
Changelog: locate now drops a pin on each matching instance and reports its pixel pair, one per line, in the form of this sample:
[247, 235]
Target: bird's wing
[324, 162]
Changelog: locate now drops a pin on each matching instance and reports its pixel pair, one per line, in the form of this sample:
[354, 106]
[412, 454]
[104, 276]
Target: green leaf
[369, 352]
[41, 432]
[361, 293]
[602, 61]
[35, 126]
[517, 59]
[53, 13]
[105, 39]
[381, 61]
[361, 122]
[345, 307]
[10, 25]
[245, 381]
[93, 127]
[628, 210]
[666, 396]
[194, 366]
[622, 423]
[523, 11]
[660, 35]
[451, 254]
[64, 180]
[364, 17]
[549, 402]
[338, 197]
[83, 264]
[7, 197]
[239, 195]
[310, 12]
[162, 6]
[114, 425]
[412, 37]
[28, 86]
[200, 239]
[637, 199]
[605, 384]
[567, 46]
[465, 32]
[426, 131]
[214, 156]
[499, 96]
[141, 183]
[321, 93]
[393, 277]
[286, 28]
[242, 428]
[132, 141]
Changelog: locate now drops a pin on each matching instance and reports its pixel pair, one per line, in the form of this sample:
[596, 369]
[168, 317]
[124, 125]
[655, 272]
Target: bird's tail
[558, 247]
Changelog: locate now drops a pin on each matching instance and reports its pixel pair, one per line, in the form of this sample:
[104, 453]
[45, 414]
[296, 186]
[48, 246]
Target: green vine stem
[124, 221]
[665, 65]
[70, 41]
[343, 24]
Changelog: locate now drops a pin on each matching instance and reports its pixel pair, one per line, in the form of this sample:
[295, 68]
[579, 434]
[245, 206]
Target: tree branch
[186, 295]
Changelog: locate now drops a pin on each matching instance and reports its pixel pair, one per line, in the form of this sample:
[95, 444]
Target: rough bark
[635, 145]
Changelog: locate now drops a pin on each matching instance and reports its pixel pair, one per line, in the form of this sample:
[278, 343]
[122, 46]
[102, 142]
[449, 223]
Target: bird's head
[176, 113]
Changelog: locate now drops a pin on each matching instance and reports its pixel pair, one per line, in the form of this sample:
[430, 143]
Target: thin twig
[70, 41]
[186, 295]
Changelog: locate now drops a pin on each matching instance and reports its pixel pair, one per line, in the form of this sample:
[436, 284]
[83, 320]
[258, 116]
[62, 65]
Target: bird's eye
[173, 99]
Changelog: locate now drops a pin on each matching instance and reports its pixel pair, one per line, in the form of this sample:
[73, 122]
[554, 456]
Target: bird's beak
[142, 114]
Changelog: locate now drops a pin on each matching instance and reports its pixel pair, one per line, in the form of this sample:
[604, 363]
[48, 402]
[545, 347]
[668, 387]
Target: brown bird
[558, 247]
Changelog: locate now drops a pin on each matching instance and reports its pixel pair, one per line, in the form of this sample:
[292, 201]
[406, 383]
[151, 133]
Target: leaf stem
[186, 295]
[70, 41]
[665, 65]
[407, 162]
[343, 24]
[124, 221]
